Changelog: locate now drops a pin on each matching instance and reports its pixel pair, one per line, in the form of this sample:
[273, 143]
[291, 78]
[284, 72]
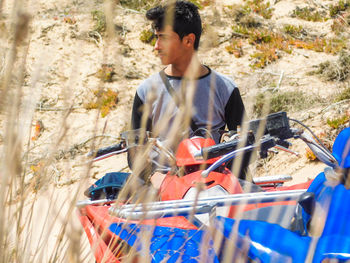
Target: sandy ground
[62, 71]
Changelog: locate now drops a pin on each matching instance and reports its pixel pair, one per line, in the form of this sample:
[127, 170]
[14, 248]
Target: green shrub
[243, 30]
[308, 14]
[260, 8]
[147, 36]
[338, 122]
[294, 31]
[282, 101]
[104, 100]
[339, 7]
[139, 4]
[242, 14]
[147, 4]
[262, 58]
[100, 21]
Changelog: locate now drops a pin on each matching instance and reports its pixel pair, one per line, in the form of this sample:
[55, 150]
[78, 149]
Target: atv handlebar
[265, 143]
[276, 128]
[109, 149]
[276, 132]
[106, 152]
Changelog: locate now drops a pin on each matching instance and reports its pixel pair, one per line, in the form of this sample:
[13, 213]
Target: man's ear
[189, 39]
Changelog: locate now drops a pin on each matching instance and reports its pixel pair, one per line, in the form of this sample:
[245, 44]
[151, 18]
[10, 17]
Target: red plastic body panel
[101, 250]
[174, 187]
[187, 148]
[105, 245]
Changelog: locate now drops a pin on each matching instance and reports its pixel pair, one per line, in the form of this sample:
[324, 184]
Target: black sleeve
[234, 110]
[136, 115]
[136, 123]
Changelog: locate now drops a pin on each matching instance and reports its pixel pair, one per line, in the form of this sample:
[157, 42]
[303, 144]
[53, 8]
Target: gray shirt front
[216, 102]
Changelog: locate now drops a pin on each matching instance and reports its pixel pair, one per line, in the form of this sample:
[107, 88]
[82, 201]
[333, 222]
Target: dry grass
[38, 189]
[37, 219]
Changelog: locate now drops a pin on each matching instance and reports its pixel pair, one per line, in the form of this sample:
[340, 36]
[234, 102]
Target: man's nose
[157, 46]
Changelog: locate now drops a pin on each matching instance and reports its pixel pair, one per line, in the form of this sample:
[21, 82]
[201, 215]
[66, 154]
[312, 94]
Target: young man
[157, 104]
[216, 101]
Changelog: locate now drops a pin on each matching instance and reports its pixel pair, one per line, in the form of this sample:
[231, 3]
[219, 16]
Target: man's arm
[234, 110]
[136, 123]
[136, 116]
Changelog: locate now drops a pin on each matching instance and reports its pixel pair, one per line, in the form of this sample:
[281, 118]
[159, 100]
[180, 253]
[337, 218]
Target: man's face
[169, 46]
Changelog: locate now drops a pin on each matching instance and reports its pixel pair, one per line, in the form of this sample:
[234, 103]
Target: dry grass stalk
[39, 203]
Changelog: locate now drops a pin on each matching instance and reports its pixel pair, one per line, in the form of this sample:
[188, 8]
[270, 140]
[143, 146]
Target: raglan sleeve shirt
[233, 109]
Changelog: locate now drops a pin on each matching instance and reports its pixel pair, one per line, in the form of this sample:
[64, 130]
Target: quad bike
[324, 215]
[177, 225]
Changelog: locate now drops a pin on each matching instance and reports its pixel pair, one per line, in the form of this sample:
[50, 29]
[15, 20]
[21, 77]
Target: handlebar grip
[219, 149]
[225, 147]
[277, 125]
[109, 149]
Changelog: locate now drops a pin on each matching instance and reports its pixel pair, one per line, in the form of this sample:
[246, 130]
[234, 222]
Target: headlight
[216, 190]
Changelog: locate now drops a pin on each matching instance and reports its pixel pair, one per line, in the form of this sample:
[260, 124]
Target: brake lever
[274, 151]
[279, 147]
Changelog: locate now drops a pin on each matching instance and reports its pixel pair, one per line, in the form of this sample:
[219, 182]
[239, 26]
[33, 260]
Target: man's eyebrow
[162, 35]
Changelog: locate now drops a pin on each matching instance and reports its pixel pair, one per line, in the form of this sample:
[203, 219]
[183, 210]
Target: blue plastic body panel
[167, 244]
[267, 242]
[341, 148]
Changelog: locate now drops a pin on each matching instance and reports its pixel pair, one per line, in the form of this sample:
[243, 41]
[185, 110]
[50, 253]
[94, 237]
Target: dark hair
[186, 19]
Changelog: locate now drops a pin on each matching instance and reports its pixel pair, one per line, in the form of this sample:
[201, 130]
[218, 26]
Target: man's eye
[163, 37]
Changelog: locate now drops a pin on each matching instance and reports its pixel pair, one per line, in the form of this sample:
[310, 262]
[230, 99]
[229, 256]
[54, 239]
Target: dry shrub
[243, 17]
[338, 70]
[341, 23]
[269, 46]
[235, 48]
[106, 73]
[344, 94]
[330, 46]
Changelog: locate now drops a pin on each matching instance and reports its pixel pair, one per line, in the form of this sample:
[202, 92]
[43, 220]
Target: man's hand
[157, 179]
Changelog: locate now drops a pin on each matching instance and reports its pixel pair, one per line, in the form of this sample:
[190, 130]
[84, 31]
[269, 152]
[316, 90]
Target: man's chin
[164, 61]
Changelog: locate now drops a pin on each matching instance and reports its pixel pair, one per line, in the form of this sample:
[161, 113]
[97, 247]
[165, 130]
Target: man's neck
[191, 69]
